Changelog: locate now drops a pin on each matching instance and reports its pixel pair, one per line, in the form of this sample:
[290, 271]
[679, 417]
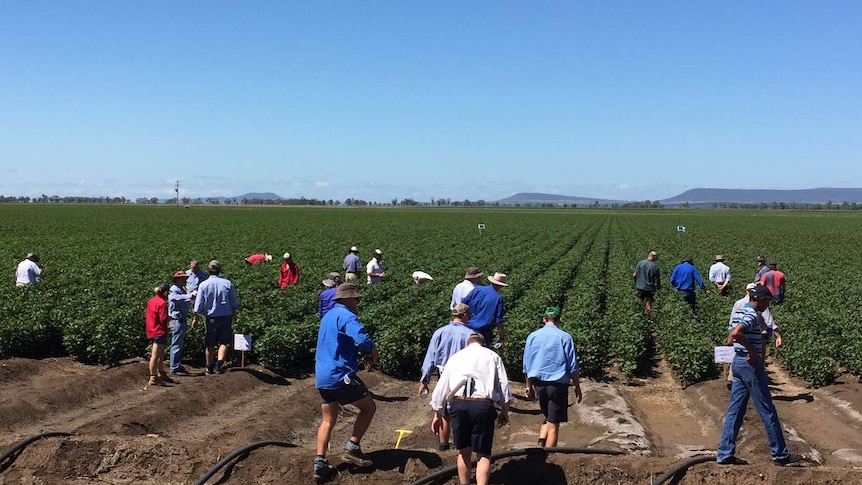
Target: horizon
[476, 101]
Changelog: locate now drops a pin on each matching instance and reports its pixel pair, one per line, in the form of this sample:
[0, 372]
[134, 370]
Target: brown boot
[155, 381]
[167, 379]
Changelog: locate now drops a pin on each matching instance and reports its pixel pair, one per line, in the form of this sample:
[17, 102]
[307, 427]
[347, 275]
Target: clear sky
[461, 99]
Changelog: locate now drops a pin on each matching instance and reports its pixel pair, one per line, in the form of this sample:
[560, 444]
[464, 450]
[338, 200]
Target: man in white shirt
[374, 268]
[719, 275]
[472, 381]
[28, 271]
[462, 289]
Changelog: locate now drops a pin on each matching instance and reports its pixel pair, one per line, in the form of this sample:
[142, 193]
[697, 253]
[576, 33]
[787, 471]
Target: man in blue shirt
[684, 277]
[486, 307]
[196, 276]
[216, 300]
[340, 337]
[445, 341]
[352, 265]
[550, 363]
[326, 302]
[178, 310]
[749, 380]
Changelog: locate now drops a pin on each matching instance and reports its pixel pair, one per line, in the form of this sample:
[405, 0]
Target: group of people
[289, 272]
[685, 278]
[472, 382]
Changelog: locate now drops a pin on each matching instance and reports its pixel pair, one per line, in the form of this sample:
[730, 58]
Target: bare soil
[125, 433]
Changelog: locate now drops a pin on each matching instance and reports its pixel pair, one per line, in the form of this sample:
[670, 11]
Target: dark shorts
[554, 400]
[163, 340]
[645, 295]
[219, 331]
[346, 394]
[473, 425]
[688, 295]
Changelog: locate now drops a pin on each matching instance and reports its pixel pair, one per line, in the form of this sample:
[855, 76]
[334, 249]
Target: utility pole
[177, 190]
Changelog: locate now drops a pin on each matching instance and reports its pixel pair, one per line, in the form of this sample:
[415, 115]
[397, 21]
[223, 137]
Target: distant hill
[259, 195]
[750, 196]
[532, 198]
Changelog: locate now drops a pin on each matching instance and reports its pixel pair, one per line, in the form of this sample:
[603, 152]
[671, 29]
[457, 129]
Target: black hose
[451, 470]
[239, 452]
[17, 447]
[682, 466]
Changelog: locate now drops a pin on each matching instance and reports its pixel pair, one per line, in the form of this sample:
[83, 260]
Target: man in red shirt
[157, 332]
[258, 258]
[289, 272]
[774, 281]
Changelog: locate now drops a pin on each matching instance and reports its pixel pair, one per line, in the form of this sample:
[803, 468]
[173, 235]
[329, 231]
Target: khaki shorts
[350, 276]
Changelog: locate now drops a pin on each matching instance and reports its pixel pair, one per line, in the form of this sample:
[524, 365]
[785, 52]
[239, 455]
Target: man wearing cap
[339, 340]
[684, 277]
[352, 265]
[216, 299]
[327, 296]
[178, 311]
[28, 271]
[472, 382]
[749, 380]
[289, 272]
[445, 341]
[258, 258]
[774, 281]
[647, 278]
[719, 275]
[550, 364]
[196, 276]
[771, 329]
[156, 318]
[374, 268]
[761, 268]
[487, 308]
[462, 289]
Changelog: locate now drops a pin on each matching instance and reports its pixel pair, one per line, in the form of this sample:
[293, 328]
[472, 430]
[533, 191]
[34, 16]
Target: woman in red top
[157, 331]
[289, 272]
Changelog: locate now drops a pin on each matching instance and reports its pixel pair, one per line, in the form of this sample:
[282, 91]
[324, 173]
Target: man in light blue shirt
[178, 310]
[352, 265]
[550, 363]
[216, 300]
[196, 276]
[445, 342]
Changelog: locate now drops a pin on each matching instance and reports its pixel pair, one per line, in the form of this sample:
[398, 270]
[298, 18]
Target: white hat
[354, 249]
[750, 286]
[420, 276]
[498, 279]
[268, 257]
[377, 251]
[286, 255]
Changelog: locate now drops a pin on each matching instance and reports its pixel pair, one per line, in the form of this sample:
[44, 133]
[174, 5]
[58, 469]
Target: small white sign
[724, 354]
[680, 228]
[241, 342]
[481, 226]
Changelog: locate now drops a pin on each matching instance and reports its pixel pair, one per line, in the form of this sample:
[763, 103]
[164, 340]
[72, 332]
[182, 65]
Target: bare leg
[445, 430]
[367, 408]
[553, 433]
[222, 352]
[465, 457]
[483, 470]
[210, 355]
[324, 432]
[155, 364]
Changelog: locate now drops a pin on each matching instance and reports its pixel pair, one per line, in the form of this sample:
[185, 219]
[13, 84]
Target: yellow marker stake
[401, 433]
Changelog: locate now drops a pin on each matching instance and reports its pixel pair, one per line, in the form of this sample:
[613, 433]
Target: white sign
[481, 226]
[241, 342]
[724, 354]
[680, 228]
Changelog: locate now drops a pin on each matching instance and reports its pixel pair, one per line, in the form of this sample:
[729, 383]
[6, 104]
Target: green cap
[552, 311]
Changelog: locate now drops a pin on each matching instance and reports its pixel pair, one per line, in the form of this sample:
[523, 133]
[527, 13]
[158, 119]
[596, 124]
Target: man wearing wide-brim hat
[462, 289]
[327, 297]
[178, 310]
[684, 277]
[339, 340]
[719, 275]
[28, 271]
[486, 305]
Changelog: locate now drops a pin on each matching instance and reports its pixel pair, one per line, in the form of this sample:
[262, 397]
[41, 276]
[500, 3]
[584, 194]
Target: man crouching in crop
[472, 381]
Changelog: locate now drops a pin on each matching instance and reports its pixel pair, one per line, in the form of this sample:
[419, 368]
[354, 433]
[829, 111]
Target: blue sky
[379, 100]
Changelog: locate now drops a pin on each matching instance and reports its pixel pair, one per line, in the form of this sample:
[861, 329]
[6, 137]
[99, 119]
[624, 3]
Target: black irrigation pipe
[682, 466]
[17, 447]
[451, 470]
[239, 452]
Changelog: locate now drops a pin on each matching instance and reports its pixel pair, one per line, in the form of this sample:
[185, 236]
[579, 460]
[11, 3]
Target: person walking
[486, 306]
[462, 289]
[684, 277]
[352, 265]
[750, 380]
[156, 317]
[178, 310]
[773, 279]
[761, 268]
[326, 301]
[196, 276]
[647, 276]
[719, 275]
[216, 300]
[29, 271]
[445, 341]
[550, 365]
[473, 381]
[374, 268]
[289, 274]
[340, 338]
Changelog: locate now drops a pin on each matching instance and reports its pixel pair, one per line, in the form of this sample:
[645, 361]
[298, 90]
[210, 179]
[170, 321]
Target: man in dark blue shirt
[684, 277]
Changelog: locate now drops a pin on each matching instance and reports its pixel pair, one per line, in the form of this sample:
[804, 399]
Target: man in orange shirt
[774, 281]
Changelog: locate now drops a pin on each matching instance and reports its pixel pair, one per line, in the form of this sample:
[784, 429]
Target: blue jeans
[179, 328]
[750, 380]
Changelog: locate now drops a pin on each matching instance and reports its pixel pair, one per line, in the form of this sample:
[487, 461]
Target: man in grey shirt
[647, 278]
